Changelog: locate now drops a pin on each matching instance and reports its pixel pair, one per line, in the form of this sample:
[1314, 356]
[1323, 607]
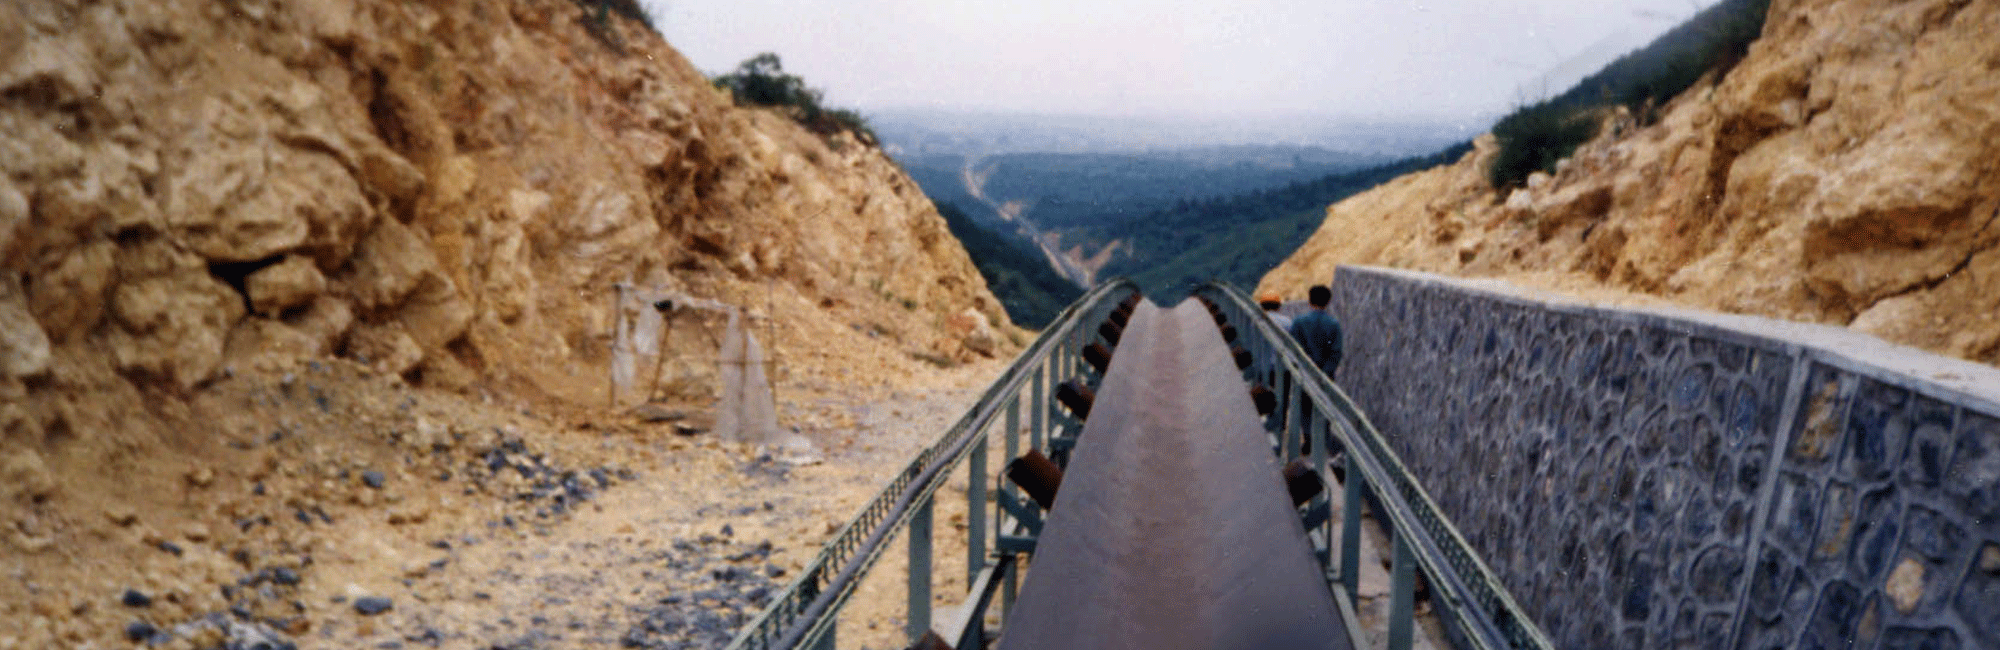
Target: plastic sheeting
[746, 412]
[635, 335]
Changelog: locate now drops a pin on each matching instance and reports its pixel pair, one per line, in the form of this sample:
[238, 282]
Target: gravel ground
[682, 548]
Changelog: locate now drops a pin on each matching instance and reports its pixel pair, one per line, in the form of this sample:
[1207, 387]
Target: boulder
[24, 347]
[388, 349]
[173, 327]
[388, 264]
[67, 295]
[287, 284]
[974, 332]
[236, 194]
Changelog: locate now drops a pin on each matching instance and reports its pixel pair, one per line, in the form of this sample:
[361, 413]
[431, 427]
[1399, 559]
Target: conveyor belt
[1173, 528]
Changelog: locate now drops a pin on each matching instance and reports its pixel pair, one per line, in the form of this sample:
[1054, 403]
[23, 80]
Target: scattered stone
[761, 551]
[284, 576]
[373, 479]
[1905, 585]
[290, 283]
[121, 515]
[133, 598]
[138, 631]
[170, 547]
[372, 605]
[650, 412]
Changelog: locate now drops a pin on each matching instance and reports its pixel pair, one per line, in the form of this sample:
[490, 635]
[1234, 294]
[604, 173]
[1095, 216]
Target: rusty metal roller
[1229, 334]
[1077, 396]
[1110, 331]
[931, 641]
[1122, 315]
[1265, 400]
[1038, 476]
[1242, 357]
[1302, 482]
[1098, 356]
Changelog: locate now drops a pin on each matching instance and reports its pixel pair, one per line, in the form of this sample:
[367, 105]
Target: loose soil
[485, 524]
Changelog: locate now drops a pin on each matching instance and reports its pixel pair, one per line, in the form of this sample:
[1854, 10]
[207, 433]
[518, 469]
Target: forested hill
[1030, 291]
[1235, 237]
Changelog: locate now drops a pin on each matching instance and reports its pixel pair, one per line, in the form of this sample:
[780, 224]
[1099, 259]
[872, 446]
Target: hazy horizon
[1439, 61]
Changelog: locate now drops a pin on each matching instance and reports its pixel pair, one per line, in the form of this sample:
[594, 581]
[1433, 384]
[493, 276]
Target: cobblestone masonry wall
[1668, 479]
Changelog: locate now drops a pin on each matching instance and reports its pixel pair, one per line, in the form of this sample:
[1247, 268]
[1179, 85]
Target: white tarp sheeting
[745, 412]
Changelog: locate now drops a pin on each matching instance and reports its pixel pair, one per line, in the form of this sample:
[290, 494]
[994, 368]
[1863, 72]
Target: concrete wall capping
[1661, 478]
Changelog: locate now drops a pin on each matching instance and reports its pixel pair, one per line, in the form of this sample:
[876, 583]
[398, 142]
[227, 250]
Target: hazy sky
[1359, 58]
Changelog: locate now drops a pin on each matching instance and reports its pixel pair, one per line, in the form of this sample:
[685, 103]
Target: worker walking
[1318, 331]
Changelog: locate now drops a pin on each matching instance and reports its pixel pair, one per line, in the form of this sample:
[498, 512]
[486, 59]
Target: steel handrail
[803, 613]
[1494, 619]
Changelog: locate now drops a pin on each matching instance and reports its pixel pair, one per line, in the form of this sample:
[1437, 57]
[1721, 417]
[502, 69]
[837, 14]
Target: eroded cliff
[1846, 171]
[213, 212]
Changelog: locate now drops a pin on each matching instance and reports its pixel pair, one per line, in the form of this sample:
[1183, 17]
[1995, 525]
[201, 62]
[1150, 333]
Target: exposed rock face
[1847, 171]
[188, 185]
[202, 202]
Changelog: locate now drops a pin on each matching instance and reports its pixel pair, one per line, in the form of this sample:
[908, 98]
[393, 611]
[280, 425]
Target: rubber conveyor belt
[1173, 528]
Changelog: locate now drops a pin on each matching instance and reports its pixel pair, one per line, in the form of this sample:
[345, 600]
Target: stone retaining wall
[1645, 478]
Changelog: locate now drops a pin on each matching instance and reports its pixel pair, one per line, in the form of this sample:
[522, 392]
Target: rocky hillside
[1846, 171]
[200, 197]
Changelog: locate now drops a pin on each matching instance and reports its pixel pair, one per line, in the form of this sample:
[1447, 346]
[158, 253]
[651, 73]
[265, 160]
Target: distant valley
[1166, 202]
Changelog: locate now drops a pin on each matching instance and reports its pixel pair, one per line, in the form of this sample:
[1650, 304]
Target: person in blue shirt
[1318, 332]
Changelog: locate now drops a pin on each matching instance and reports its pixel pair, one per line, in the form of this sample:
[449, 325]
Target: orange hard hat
[1270, 297]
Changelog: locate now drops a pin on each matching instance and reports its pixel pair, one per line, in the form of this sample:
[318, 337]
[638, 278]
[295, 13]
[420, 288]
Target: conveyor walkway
[1173, 528]
[1164, 486]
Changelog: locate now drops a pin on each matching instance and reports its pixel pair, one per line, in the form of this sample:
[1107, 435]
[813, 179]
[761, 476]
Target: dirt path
[688, 548]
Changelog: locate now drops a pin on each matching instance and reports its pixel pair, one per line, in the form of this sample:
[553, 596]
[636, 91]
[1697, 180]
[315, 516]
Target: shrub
[762, 81]
[597, 19]
[1534, 137]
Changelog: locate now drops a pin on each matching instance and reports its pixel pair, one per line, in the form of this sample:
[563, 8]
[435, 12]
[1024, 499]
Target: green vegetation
[1028, 289]
[1068, 190]
[762, 81]
[597, 20]
[1236, 238]
[1534, 137]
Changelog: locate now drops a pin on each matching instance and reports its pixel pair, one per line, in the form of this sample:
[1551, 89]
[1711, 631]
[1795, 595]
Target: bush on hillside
[762, 81]
[597, 20]
[1534, 137]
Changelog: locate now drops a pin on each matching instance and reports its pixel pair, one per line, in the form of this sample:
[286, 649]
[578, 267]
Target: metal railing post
[1050, 413]
[1013, 421]
[975, 511]
[1295, 417]
[1322, 436]
[919, 613]
[1038, 406]
[1350, 531]
[1402, 592]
